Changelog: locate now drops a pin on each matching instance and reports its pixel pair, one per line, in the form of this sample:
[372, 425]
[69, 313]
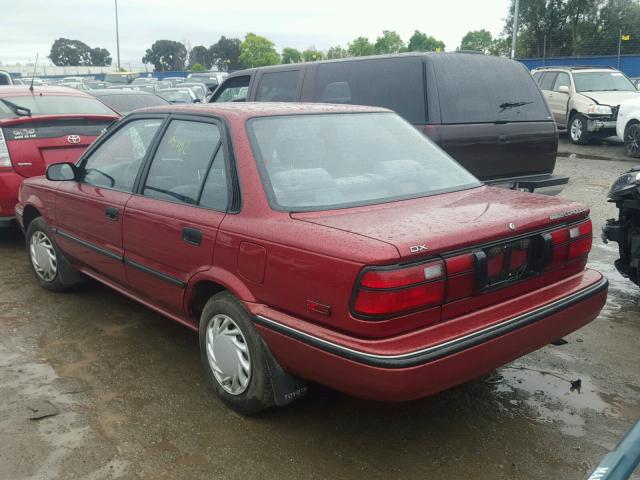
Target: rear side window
[547, 80]
[394, 83]
[278, 86]
[235, 89]
[484, 89]
[184, 159]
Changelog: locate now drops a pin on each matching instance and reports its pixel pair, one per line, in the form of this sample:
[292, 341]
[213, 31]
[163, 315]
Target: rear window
[327, 161]
[128, 103]
[393, 83]
[55, 105]
[483, 89]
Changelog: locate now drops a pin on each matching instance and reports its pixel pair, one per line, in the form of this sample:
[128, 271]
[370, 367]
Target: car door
[171, 224]
[560, 100]
[89, 211]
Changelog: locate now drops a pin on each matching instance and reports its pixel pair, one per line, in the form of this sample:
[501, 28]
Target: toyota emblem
[73, 139]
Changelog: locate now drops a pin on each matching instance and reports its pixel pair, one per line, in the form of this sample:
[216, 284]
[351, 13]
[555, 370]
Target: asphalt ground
[128, 399]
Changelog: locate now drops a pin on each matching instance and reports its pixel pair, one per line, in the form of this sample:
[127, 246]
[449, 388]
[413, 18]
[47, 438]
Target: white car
[628, 126]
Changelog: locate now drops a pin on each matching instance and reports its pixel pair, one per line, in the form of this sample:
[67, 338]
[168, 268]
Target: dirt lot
[131, 400]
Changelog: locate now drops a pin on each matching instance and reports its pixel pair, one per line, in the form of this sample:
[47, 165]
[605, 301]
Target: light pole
[515, 28]
[117, 38]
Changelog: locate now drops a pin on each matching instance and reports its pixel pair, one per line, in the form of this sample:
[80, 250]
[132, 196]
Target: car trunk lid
[36, 142]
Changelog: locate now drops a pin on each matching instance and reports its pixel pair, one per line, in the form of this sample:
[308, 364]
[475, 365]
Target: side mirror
[61, 172]
[563, 89]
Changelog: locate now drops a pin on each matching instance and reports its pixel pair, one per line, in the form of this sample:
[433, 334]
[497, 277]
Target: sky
[28, 27]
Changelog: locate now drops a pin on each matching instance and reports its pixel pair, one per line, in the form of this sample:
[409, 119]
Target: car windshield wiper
[17, 109]
[506, 105]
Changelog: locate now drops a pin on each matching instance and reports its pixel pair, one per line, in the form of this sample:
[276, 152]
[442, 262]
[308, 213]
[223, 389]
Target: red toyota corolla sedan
[41, 127]
[314, 242]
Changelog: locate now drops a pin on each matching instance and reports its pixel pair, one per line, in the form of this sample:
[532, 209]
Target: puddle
[551, 397]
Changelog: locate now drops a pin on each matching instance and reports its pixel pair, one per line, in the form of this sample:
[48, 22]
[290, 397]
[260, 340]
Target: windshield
[602, 82]
[317, 162]
[118, 77]
[55, 105]
[127, 103]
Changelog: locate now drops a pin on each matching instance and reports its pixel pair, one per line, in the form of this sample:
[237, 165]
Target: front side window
[278, 86]
[317, 162]
[183, 161]
[562, 80]
[602, 82]
[235, 89]
[115, 163]
[546, 83]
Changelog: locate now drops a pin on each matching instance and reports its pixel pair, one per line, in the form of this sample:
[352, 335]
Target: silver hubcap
[576, 129]
[43, 256]
[228, 354]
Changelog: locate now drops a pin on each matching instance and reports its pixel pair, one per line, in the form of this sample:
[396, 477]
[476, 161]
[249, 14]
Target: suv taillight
[391, 291]
[5, 159]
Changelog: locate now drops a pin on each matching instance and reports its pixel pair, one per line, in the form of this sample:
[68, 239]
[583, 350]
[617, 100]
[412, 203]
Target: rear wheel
[578, 129]
[49, 265]
[233, 355]
[632, 140]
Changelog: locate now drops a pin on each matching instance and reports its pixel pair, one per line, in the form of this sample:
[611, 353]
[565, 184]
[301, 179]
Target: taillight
[572, 243]
[5, 159]
[391, 291]
[460, 276]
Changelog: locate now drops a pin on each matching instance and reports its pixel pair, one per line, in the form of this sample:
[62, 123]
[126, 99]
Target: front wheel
[578, 129]
[233, 355]
[632, 140]
[49, 265]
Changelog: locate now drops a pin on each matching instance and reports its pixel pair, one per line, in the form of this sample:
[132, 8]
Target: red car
[41, 127]
[314, 242]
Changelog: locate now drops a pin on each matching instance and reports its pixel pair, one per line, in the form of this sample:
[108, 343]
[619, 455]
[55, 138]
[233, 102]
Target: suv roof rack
[575, 67]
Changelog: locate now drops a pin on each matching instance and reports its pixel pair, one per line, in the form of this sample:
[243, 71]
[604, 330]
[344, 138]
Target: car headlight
[599, 109]
[631, 179]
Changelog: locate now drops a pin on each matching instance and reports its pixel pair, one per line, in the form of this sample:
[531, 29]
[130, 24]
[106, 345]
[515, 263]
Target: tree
[166, 55]
[421, 42]
[198, 67]
[337, 52]
[66, 52]
[360, 47]
[225, 54]
[200, 54]
[312, 54]
[257, 51]
[477, 40]
[291, 55]
[389, 42]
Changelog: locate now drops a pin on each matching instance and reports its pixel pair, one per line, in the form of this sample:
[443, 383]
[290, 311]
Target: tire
[632, 140]
[50, 267]
[233, 356]
[578, 133]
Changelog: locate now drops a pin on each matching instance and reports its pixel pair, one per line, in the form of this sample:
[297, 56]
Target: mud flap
[286, 387]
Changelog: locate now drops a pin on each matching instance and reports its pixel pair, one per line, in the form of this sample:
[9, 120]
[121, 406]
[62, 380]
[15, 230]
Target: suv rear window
[394, 83]
[483, 89]
[55, 105]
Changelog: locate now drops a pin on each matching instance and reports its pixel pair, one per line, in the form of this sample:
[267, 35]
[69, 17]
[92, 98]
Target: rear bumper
[406, 375]
[547, 184]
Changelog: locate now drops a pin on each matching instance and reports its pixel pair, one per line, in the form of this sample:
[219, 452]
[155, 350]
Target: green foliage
[421, 42]
[389, 42]
[166, 55]
[291, 55]
[575, 27]
[225, 54]
[478, 41]
[257, 51]
[198, 67]
[360, 47]
[336, 52]
[311, 54]
[66, 52]
[200, 55]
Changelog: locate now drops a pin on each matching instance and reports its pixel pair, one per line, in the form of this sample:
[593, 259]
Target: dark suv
[486, 112]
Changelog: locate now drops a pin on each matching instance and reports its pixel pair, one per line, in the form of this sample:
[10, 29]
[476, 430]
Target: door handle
[112, 213]
[192, 235]
[503, 139]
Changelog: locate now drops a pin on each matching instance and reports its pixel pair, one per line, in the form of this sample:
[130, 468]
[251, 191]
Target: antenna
[35, 65]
